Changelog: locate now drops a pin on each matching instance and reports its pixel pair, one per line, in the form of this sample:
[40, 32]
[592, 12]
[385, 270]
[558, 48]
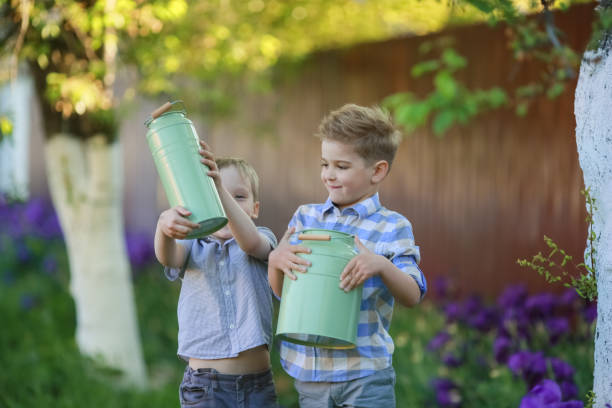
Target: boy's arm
[172, 225]
[283, 260]
[402, 286]
[243, 228]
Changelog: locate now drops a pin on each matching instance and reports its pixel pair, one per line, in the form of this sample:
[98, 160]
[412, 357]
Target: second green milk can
[314, 310]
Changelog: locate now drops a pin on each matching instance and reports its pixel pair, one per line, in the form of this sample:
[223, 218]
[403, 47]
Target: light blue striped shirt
[225, 305]
[386, 233]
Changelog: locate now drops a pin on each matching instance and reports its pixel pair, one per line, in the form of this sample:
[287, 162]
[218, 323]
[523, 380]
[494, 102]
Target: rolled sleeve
[408, 264]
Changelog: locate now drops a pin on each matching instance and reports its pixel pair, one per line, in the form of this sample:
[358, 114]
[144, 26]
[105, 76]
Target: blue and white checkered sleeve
[406, 255]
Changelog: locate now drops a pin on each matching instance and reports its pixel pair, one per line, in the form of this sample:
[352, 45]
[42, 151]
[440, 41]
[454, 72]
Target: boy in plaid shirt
[358, 145]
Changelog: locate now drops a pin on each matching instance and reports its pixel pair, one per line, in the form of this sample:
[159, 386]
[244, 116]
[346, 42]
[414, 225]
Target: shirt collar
[363, 208]
[209, 239]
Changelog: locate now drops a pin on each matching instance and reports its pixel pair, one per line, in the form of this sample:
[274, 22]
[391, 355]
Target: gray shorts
[374, 391]
[206, 387]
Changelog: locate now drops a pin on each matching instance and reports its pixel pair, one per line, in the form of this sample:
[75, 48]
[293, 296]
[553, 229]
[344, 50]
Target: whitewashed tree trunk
[593, 110]
[86, 188]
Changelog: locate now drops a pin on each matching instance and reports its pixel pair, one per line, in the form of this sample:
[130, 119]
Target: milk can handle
[163, 109]
[314, 237]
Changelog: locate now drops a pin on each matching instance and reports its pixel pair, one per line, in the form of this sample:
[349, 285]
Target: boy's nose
[330, 175]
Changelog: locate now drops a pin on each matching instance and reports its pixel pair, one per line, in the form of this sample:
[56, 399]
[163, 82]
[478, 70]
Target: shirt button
[231, 326]
[227, 293]
[221, 263]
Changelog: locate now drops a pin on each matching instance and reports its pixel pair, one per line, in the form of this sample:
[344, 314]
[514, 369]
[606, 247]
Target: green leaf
[453, 60]
[555, 90]
[446, 85]
[424, 67]
[521, 109]
[412, 115]
[443, 121]
[497, 97]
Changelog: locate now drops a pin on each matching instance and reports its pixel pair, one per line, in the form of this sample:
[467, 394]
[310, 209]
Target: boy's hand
[284, 257]
[208, 159]
[174, 224]
[362, 267]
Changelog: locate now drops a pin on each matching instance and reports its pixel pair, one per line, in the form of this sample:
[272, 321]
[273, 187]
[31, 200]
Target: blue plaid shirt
[225, 305]
[386, 233]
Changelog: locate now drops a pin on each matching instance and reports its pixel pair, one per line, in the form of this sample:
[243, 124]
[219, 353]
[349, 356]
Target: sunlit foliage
[172, 43]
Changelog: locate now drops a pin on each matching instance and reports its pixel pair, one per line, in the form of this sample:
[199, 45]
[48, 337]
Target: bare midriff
[255, 360]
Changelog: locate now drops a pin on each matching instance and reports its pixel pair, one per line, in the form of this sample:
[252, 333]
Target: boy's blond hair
[246, 171]
[369, 129]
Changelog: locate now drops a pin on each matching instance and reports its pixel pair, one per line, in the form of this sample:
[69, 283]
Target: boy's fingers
[299, 249]
[204, 145]
[299, 268]
[347, 269]
[185, 223]
[299, 260]
[210, 163]
[183, 211]
[289, 273]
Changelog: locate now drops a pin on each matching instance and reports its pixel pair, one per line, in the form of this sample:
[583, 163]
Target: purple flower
[541, 395]
[140, 248]
[34, 212]
[438, 341]
[452, 311]
[447, 393]
[557, 327]
[441, 287]
[502, 346]
[484, 320]
[531, 366]
[513, 297]
[561, 369]
[472, 305]
[569, 390]
[566, 404]
[51, 228]
[590, 312]
[516, 321]
[568, 300]
[451, 360]
[540, 306]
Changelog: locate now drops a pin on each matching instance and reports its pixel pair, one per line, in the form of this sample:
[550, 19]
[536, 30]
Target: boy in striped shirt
[358, 145]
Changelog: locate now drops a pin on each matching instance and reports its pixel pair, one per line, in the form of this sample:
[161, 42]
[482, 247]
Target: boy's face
[346, 175]
[240, 189]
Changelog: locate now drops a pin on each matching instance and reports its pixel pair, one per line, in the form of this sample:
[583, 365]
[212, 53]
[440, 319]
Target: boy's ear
[381, 168]
[255, 209]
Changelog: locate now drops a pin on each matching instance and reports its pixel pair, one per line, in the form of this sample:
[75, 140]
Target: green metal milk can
[173, 142]
[314, 311]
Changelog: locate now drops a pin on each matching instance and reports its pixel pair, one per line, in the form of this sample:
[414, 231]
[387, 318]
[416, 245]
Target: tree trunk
[593, 109]
[85, 182]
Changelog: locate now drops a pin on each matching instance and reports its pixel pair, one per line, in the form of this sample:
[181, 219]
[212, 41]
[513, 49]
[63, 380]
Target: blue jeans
[206, 387]
[373, 391]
